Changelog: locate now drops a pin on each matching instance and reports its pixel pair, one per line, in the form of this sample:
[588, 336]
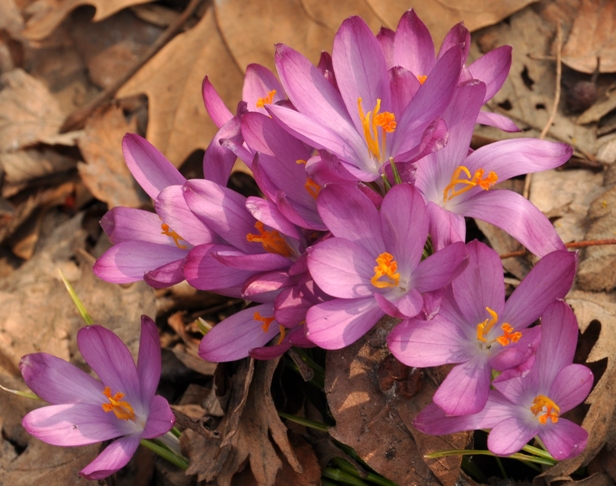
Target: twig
[77, 119]
[572, 245]
[548, 125]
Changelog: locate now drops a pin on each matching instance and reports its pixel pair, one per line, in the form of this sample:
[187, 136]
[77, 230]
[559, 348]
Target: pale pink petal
[214, 105]
[564, 439]
[115, 456]
[160, 419]
[510, 435]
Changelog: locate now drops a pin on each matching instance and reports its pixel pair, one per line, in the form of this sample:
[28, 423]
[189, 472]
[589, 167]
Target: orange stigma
[422, 78]
[386, 267]
[265, 320]
[166, 230]
[545, 409]
[272, 241]
[283, 332]
[371, 121]
[312, 188]
[477, 179]
[483, 328]
[261, 102]
[122, 410]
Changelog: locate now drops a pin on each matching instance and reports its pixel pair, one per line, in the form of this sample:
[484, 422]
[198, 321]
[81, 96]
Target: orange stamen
[283, 332]
[166, 230]
[386, 267]
[261, 102]
[546, 407]
[312, 187]
[122, 410]
[508, 336]
[477, 179]
[265, 320]
[422, 78]
[483, 328]
[272, 241]
[371, 122]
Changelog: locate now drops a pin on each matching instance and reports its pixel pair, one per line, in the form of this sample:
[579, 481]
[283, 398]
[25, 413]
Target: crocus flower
[477, 330]
[456, 184]
[368, 120]
[523, 407]
[83, 410]
[373, 265]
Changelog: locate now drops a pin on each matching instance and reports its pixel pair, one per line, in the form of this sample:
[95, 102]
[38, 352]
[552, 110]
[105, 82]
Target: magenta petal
[111, 360]
[571, 386]
[261, 262]
[386, 40]
[440, 268]
[404, 84]
[214, 105]
[407, 305]
[515, 354]
[497, 120]
[160, 419]
[459, 37]
[151, 169]
[269, 214]
[413, 46]
[165, 275]
[465, 390]
[492, 68]
[149, 361]
[115, 456]
[218, 161]
[56, 381]
[445, 227]
[564, 439]
[270, 352]
[258, 83]
[234, 337]
[75, 424]
[340, 322]
[511, 435]
[129, 224]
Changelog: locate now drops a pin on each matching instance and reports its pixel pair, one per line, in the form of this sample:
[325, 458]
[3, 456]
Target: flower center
[386, 267]
[265, 320]
[371, 122]
[477, 179]
[166, 230]
[544, 409]
[484, 328]
[122, 410]
[311, 187]
[272, 241]
[261, 102]
[422, 78]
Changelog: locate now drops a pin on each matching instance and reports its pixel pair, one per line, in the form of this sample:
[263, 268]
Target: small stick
[77, 119]
[574, 244]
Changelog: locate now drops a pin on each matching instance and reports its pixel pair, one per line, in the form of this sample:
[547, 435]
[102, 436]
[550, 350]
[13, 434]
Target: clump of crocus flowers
[366, 171]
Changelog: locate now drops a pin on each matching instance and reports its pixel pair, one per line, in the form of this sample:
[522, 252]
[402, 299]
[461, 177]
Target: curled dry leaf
[377, 424]
[46, 15]
[29, 111]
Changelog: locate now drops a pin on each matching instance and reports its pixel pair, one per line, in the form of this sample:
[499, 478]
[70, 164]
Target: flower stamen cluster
[167, 231]
[121, 409]
[261, 102]
[386, 267]
[544, 408]
[373, 120]
[272, 240]
[478, 179]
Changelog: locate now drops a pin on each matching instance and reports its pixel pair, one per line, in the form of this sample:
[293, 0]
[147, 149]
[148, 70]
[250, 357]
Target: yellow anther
[508, 336]
[301, 162]
[265, 320]
[386, 268]
[544, 409]
[370, 122]
[477, 179]
[272, 241]
[122, 410]
[261, 102]
[422, 78]
[166, 230]
[483, 328]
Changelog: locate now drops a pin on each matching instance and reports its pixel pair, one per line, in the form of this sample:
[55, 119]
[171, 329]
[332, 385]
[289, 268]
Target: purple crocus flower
[371, 118]
[477, 330]
[523, 407]
[456, 184]
[83, 410]
[373, 266]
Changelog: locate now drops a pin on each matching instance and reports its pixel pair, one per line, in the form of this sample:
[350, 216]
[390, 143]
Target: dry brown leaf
[323, 13]
[178, 123]
[10, 18]
[441, 15]
[155, 14]
[46, 15]
[105, 174]
[598, 110]
[592, 37]
[378, 425]
[29, 111]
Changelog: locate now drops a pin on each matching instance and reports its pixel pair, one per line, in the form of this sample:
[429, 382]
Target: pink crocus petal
[481, 284]
[218, 161]
[413, 46]
[75, 424]
[407, 305]
[260, 262]
[304, 217]
[517, 353]
[385, 37]
[515, 215]
[151, 169]
[258, 286]
[360, 69]
[270, 352]
[428, 343]
[129, 224]
[440, 268]
[258, 83]
[571, 386]
[236, 145]
[165, 275]
[340, 322]
[160, 418]
[445, 227]
[214, 105]
[342, 268]
[498, 121]
[110, 359]
[56, 381]
[149, 361]
[115, 456]
[269, 214]
[326, 68]
[564, 439]
[492, 68]
[511, 435]
[459, 37]
[326, 168]
[550, 279]
[404, 84]
[465, 390]
[129, 261]
[234, 337]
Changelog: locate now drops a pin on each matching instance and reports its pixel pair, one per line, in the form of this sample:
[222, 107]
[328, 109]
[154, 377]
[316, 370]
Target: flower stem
[166, 453]
[305, 422]
[465, 452]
